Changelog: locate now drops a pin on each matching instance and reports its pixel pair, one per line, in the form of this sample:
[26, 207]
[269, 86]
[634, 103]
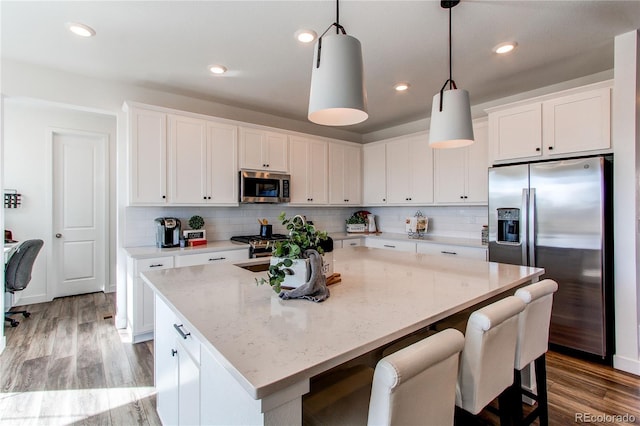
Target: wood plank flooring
[67, 364]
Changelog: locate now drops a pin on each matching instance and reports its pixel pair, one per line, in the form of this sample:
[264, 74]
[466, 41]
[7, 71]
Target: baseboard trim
[32, 300]
[3, 344]
[626, 364]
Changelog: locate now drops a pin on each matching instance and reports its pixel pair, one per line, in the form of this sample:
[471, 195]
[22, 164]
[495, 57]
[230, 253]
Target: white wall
[626, 140]
[27, 168]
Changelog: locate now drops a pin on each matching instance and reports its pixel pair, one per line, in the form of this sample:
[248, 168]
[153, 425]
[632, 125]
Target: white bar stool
[411, 386]
[532, 345]
[485, 362]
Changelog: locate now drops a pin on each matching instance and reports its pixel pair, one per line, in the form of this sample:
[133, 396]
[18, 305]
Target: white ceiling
[168, 45]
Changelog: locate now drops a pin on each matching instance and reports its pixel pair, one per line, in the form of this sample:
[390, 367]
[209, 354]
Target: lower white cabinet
[140, 297]
[177, 369]
[211, 257]
[391, 244]
[479, 253]
[352, 242]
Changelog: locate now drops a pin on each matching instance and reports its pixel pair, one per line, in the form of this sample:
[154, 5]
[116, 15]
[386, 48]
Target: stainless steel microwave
[264, 187]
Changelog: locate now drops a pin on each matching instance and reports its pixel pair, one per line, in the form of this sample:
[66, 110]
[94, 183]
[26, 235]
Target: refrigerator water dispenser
[509, 226]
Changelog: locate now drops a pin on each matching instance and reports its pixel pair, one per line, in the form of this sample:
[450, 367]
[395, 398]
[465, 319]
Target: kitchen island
[247, 357]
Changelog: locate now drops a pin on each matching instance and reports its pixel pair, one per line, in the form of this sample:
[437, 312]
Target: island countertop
[268, 344]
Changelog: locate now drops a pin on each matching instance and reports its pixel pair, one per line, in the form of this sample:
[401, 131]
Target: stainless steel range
[259, 246]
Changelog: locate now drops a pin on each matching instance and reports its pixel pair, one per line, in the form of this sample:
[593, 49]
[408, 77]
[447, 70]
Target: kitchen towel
[316, 288]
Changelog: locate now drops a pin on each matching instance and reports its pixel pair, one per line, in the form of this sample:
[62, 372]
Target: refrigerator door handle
[531, 224]
[524, 224]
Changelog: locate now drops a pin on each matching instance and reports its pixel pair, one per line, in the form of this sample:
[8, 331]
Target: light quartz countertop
[211, 246]
[267, 343]
[427, 238]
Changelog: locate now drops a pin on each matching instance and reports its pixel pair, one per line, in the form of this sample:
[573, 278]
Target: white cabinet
[479, 253]
[374, 172]
[177, 368]
[187, 159]
[211, 257]
[308, 169]
[410, 170]
[263, 150]
[140, 297]
[345, 174]
[577, 123]
[202, 162]
[460, 174]
[147, 156]
[572, 122]
[351, 242]
[396, 245]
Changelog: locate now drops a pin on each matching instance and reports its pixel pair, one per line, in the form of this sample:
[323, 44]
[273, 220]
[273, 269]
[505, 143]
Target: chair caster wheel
[26, 314]
[14, 323]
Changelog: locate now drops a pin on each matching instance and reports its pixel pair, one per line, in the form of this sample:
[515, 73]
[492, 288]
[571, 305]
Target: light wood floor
[67, 364]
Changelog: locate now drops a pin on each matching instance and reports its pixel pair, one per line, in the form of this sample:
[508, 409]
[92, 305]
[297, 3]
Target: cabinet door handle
[164, 196]
[537, 149]
[174, 352]
[550, 148]
[156, 265]
[182, 333]
[389, 245]
[216, 258]
[448, 252]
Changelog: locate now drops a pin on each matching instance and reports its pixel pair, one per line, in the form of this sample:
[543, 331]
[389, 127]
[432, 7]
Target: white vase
[296, 274]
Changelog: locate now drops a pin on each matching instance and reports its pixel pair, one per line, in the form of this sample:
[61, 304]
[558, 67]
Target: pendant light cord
[339, 28]
[452, 84]
[450, 52]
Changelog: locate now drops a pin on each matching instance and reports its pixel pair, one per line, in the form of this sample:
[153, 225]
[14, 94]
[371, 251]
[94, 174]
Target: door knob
[58, 235]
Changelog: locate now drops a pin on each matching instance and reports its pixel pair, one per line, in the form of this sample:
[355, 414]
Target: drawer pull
[182, 333]
[156, 265]
[448, 252]
[353, 244]
[389, 245]
[216, 258]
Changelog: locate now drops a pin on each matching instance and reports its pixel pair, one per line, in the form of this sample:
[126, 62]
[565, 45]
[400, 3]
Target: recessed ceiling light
[306, 36]
[217, 69]
[81, 30]
[506, 47]
[401, 87]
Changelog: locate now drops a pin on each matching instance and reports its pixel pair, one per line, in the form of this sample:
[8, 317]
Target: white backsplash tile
[221, 223]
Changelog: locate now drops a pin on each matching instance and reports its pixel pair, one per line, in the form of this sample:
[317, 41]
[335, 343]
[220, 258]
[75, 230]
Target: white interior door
[79, 212]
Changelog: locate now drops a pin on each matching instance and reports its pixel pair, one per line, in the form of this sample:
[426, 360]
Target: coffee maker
[167, 232]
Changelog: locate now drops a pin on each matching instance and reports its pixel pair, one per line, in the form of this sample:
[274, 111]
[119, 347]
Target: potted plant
[196, 235]
[357, 222]
[289, 267]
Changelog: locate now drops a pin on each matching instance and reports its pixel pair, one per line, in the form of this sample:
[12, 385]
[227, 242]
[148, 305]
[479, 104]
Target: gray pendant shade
[451, 127]
[338, 96]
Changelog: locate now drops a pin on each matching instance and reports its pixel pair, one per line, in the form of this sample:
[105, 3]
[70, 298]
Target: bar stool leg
[541, 383]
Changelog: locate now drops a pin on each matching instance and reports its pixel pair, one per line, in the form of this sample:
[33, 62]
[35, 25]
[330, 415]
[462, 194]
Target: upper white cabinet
[345, 174]
[263, 150]
[374, 171]
[575, 121]
[308, 169]
[147, 157]
[410, 170]
[461, 173]
[580, 122]
[202, 162]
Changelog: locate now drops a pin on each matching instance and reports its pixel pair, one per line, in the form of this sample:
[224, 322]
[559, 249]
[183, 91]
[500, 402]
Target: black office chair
[17, 272]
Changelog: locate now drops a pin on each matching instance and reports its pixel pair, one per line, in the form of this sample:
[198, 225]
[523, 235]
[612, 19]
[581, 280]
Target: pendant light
[338, 96]
[451, 125]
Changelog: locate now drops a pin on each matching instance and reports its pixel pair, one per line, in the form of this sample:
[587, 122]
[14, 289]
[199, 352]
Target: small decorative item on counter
[304, 239]
[485, 234]
[195, 236]
[417, 225]
[358, 221]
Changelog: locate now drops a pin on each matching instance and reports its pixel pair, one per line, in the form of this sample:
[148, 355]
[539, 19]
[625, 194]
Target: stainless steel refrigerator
[558, 215]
